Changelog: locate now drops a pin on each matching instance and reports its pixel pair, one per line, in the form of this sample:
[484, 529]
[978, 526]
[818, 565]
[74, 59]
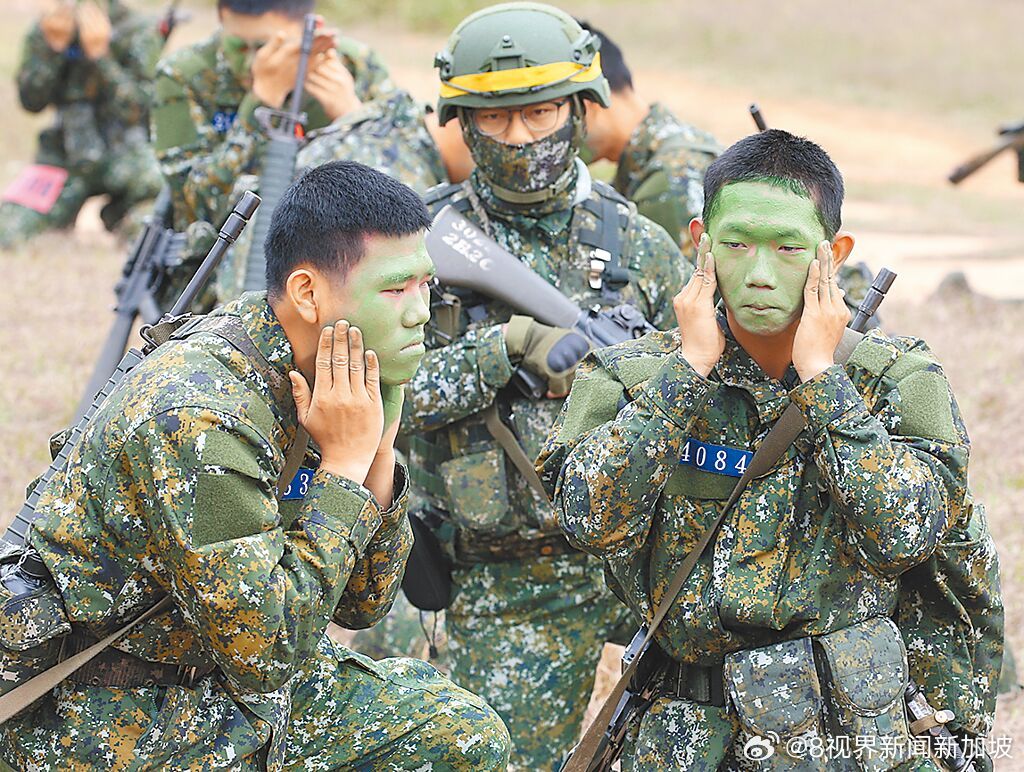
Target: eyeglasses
[539, 117]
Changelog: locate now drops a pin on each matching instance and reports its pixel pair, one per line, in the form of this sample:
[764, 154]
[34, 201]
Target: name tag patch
[299, 485]
[222, 121]
[717, 459]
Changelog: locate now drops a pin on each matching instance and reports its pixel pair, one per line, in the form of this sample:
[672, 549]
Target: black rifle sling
[776, 442]
[229, 329]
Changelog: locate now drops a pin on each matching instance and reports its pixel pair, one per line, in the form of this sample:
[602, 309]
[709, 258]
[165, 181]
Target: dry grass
[898, 93]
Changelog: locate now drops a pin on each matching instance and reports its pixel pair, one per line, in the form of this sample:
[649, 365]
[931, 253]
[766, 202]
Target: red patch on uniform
[37, 187]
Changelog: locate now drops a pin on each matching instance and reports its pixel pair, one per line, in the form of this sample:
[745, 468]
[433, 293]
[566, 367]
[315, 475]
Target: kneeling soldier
[793, 600]
[173, 489]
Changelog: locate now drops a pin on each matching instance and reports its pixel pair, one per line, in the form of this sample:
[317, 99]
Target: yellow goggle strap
[521, 78]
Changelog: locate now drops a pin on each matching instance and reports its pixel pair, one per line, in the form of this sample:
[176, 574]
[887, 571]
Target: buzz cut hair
[293, 9]
[325, 216]
[613, 64]
[779, 158]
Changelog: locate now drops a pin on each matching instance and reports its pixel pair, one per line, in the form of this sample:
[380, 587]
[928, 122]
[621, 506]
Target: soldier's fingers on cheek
[323, 356]
[357, 362]
[341, 355]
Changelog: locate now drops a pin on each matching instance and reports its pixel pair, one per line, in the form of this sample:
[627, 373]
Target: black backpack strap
[439, 196]
[605, 241]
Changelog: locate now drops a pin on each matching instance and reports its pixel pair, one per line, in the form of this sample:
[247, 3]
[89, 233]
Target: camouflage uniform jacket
[662, 171]
[866, 491]
[172, 489]
[104, 102]
[467, 474]
[386, 134]
[205, 131]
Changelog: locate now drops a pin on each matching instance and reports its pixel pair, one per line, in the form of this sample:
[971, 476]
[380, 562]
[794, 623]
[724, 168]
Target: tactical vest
[460, 469]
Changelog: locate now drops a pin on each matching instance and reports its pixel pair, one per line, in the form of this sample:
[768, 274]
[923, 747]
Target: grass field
[898, 93]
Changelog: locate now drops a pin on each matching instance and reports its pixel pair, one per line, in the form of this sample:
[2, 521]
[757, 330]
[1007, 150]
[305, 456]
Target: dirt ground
[885, 100]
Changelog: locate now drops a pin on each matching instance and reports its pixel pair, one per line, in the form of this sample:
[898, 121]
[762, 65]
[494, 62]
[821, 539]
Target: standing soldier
[780, 651]
[94, 63]
[529, 614]
[660, 159]
[174, 490]
[205, 130]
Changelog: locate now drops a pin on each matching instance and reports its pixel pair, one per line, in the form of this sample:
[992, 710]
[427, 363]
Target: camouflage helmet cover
[517, 54]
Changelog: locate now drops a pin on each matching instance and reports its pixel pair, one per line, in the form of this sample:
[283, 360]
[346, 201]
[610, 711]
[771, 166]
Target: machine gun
[156, 250]
[1012, 139]
[466, 257]
[643, 657]
[286, 130]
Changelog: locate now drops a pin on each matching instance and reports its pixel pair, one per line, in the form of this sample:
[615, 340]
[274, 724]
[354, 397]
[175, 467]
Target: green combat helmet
[518, 54]
[515, 54]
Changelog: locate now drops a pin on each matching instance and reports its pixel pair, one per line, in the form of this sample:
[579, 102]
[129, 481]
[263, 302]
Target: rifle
[755, 113]
[286, 129]
[1013, 139]
[642, 656]
[31, 567]
[465, 256]
[155, 251]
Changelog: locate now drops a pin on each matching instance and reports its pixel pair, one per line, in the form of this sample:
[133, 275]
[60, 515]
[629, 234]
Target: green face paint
[386, 295]
[239, 53]
[764, 238]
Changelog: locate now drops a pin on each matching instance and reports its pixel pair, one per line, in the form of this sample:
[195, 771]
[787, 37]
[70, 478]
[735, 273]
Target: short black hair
[613, 65]
[780, 158]
[324, 217]
[293, 9]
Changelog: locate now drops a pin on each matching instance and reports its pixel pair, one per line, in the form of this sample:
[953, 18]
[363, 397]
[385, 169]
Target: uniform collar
[267, 334]
[737, 368]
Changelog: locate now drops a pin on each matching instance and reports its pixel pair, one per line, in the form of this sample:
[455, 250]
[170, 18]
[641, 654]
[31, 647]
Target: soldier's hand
[702, 338]
[93, 30]
[276, 65]
[331, 84]
[823, 320]
[550, 352]
[344, 412]
[58, 26]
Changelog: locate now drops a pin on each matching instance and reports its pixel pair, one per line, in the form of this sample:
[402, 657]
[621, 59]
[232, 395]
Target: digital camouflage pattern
[204, 129]
[387, 134]
[817, 545]
[100, 134]
[172, 489]
[661, 170]
[543, 616]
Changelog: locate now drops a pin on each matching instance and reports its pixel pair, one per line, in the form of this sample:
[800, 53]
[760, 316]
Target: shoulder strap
[775, 443]
[441, 195]
[606, 239]
[510, 444]
[19, 698]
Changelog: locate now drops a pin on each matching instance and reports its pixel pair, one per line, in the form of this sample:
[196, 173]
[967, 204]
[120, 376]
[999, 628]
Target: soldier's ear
[696, 229]
[300, 290]
[842, 246]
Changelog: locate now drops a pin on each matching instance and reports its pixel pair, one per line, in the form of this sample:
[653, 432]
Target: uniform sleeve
[457, 380]
[199, 164]
[127, 73]
[661, 270]
[371, 76]
[258, 595]
[606, 467]
[897, 473]
[40, 73]
[377, 575]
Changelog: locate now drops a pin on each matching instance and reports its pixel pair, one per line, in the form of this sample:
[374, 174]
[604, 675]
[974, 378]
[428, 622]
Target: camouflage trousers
[676, 734]
[345, 712]
[129, 177]
[527, 637]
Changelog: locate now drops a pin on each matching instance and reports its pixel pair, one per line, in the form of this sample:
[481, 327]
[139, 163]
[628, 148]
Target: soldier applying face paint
[765, 651]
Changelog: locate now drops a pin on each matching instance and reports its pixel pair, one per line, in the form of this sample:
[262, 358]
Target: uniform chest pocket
[478, 492]
[690, 483]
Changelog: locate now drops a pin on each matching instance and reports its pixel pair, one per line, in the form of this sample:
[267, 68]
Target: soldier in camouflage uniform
[205, 132]
[95, 65]
[529, 614]
[807, 565]
[660, 159]
[172, 490]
